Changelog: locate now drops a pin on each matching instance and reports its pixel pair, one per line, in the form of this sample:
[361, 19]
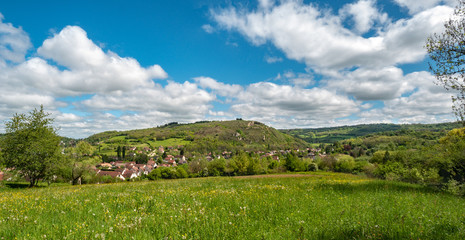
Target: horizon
[116, 65]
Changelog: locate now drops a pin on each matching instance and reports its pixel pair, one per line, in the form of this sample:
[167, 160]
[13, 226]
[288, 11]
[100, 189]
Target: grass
[310, 206]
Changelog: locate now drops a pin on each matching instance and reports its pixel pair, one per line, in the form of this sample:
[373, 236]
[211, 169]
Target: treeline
[333, 134]
[240, 164]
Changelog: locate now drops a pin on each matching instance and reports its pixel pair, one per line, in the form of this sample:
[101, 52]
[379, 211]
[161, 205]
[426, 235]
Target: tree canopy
[31, 145]
[447, 52]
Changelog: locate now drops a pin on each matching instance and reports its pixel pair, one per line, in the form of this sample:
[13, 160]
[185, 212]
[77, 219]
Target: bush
[155, 174]
[169, 173]
[344, 163]
[312, 167]
[181, 173]
[327, 163]
[455, 188]
[216, 167]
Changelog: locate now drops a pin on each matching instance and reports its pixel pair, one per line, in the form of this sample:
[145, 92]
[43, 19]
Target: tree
[118, 152]
[31, 145]
[447, 52]
[81, 161]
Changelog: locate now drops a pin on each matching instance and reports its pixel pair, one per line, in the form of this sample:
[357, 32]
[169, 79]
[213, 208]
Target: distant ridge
[333, 134]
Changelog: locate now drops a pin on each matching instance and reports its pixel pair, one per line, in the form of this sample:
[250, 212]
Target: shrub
[181, 173]
[455, 187]
[216, 167]
[155, 174]
[327, 163]
[169, 173]
[312, 167]
[344, 163]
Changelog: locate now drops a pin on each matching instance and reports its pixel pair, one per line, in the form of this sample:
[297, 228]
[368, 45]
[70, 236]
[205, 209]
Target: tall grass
[328, 206]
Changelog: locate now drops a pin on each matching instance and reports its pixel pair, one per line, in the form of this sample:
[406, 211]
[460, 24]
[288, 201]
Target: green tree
[118, 152]
[453, 147]
[447, 52]
[291, 163]
[31, 145]
[81, 161]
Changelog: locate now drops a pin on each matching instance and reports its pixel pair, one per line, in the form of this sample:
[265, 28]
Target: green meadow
[298, 206]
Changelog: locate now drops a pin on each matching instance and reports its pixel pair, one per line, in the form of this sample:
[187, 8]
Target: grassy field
[310, 206]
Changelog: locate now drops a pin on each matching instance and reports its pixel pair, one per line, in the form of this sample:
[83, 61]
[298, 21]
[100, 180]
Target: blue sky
[116, 65]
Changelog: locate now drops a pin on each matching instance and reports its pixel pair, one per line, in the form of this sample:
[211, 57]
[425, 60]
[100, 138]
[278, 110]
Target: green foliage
[31, 146]
[453, 146]
[78, 162]
[344, 163]
[334, 134]
[203, 137]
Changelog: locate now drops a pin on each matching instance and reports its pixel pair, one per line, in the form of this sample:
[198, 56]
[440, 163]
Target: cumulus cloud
[320, 39]
[271, 102]
[351, 62]
[364, 15]
[296, 79]
[90, 69]
[226, 90]
[415, 6]
[372, 84]
[14, 42]
[424, 102]
[70, 64]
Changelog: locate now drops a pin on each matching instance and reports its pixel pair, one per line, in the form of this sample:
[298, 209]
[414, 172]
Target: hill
[203, 137]
[333, 134]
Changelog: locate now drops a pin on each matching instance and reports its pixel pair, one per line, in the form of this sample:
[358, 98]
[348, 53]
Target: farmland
[299, 206]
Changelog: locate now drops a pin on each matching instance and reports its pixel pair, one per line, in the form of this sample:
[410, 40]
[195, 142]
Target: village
[162, 157]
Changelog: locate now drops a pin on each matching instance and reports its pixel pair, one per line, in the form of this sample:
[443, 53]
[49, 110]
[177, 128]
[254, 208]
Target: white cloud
[318, 38]
[222, 89]
[208, 28]
[364, 14]
[269, 59]
[14, 43]
[175, 99]
[371, 84]
[92, 70]
[415, 6]
[425, 102]
[296, 79]
[273, 103]
[114, 83]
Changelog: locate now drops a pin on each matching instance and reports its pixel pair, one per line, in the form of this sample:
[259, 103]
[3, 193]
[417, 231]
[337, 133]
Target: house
[161, 149]
[113, 174]
[182, 160]
[139, 166]
[172, 162]
[118, 163]
[105, 165]
[129, 174]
